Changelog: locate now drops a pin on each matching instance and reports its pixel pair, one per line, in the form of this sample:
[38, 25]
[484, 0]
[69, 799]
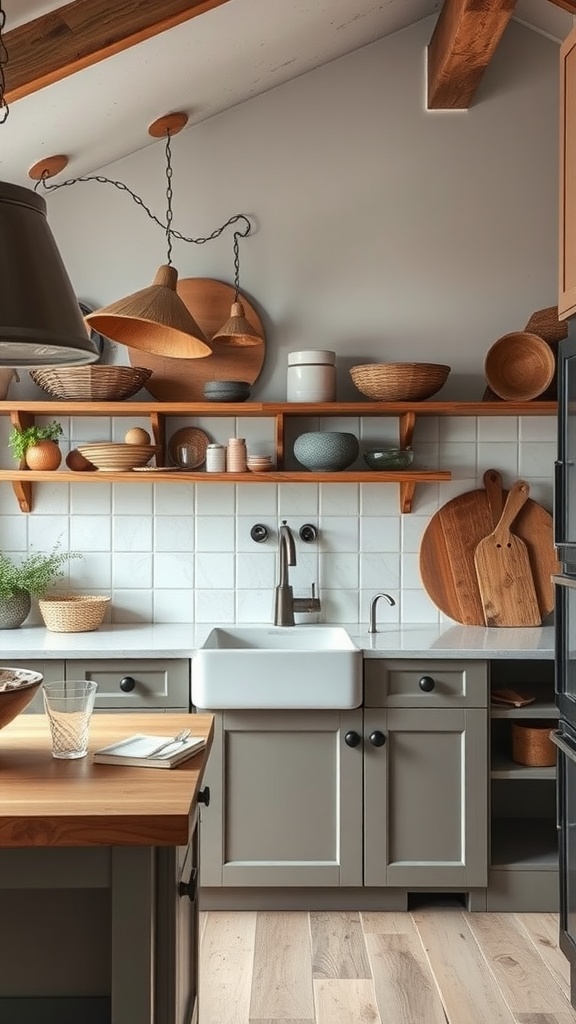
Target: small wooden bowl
[13, 701]
[519, 366]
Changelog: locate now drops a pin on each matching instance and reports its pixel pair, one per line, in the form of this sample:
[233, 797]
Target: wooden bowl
[117, 457]
[519, 366]
[18, 697]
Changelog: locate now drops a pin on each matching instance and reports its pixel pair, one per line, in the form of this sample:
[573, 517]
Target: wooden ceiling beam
[463, 42]
[79, 34]
[566, 5]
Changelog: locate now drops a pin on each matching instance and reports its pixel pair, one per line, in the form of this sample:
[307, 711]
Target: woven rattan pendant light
[237, 330]
[155, 319]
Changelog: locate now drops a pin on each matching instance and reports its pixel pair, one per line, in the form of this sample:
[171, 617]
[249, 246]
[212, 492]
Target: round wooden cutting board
[447, 550]
[182, 380]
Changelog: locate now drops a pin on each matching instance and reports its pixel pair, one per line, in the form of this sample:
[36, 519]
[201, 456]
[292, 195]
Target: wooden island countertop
[45, 802]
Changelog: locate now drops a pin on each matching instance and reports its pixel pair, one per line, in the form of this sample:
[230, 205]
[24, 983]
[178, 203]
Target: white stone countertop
[181, 641]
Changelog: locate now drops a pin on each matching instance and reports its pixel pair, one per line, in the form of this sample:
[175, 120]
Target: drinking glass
[69, 707]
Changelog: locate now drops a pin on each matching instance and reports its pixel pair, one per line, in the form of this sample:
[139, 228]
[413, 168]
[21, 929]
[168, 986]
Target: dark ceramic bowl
[389, 458]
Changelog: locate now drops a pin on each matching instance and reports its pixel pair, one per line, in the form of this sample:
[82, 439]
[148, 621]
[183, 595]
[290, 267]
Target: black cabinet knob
[377, 739]
[204, 796]
[190, 887]
[352, 739]
[427, 684]
[127, 684]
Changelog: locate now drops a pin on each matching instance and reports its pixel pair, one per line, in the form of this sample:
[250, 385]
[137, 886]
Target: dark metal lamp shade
[40, 320]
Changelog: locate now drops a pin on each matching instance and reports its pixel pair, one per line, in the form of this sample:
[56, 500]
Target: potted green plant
[34, 575]
[37, 446]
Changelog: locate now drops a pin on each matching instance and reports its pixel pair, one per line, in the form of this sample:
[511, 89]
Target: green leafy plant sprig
[36, 573]
[20, 440]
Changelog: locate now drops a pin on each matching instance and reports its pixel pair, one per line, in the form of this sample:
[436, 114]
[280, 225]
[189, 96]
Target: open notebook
[136, 751]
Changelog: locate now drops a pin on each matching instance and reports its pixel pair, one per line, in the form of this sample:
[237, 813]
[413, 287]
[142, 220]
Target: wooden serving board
[182, 380]
[447, 551]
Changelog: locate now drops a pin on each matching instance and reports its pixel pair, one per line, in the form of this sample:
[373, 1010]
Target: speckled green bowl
[389, 458]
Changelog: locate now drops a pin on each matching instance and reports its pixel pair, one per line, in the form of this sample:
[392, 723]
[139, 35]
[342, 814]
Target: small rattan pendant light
[155, 319]
[238, 330]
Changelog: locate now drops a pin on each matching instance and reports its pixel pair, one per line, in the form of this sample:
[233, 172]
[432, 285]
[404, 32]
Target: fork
[179, 738]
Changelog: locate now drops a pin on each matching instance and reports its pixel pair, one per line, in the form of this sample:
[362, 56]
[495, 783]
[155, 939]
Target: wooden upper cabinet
[567, 256]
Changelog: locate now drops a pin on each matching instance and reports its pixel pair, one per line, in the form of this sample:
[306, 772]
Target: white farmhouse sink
[277, 667]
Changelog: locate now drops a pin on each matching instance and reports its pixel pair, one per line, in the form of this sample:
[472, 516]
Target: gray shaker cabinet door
[286, 800]
[425, 800]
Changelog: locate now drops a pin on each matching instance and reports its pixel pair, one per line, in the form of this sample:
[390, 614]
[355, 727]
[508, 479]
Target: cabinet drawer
[51, 670]
[435, 684]
[148, 683]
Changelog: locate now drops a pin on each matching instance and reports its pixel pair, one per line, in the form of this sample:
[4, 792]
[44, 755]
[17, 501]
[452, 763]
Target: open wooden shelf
[23, 414]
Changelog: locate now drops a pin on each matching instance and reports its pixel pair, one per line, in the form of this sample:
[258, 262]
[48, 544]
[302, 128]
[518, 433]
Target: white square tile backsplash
[183, 553]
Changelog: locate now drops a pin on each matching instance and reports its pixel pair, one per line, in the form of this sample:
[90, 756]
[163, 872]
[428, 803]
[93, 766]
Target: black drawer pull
[427, 684]
[377, 739]
[352, 739]
[190, 887]
[204, 796]
[127, 684]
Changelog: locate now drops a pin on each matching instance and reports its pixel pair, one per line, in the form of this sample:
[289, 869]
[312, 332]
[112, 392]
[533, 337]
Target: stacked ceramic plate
[260, 463]
[117, 458]
[226, 390]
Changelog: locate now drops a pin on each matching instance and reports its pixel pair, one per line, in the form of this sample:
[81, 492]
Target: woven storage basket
[399, 382]
[545, 323]
[74, 613]
[531, 743]
[91, 383]
[519, 366]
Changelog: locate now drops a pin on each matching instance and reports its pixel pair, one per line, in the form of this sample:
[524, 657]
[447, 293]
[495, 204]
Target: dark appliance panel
[565, 468]
[565, 644]
[565, 740]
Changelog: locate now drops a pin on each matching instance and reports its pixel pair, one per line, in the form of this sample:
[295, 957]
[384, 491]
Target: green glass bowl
[389, 458]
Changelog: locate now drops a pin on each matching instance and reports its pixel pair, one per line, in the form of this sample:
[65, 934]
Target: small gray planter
[14, 609]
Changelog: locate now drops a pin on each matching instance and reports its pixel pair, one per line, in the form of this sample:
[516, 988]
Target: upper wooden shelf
[361, 408]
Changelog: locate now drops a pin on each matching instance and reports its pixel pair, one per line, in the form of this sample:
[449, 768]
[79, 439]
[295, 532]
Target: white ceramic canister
[311, 376]
[215, 458]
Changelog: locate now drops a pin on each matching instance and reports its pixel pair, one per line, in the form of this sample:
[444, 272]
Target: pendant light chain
[4, 108]
[170, 231]
[169, 194]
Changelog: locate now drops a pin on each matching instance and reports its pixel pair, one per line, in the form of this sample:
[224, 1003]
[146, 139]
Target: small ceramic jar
[311, 376]
[215, 458]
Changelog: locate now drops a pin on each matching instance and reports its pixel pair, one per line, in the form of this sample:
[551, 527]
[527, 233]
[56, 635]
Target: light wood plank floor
[429, 966]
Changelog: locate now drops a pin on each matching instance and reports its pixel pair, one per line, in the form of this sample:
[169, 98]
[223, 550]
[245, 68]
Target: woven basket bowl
[17, 698]
[91, 383]
[118, 458]
[74, 613]
[531, 743]
[519, 366]
[399, 382]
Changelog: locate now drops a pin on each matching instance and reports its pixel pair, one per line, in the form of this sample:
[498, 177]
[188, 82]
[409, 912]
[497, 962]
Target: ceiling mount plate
[170, 124]
[48, 167]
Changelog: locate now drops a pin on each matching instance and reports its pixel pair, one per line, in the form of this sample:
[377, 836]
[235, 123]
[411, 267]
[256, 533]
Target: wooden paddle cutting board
[503, 569]
[447, 551]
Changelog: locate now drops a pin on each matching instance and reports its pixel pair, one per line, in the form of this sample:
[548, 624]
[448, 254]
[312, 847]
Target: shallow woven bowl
[399, 382]
[389, 458]
[17, 698]
[91, 383]
[74, 613]
[326, 450]
[519, 366]
[117, 458]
